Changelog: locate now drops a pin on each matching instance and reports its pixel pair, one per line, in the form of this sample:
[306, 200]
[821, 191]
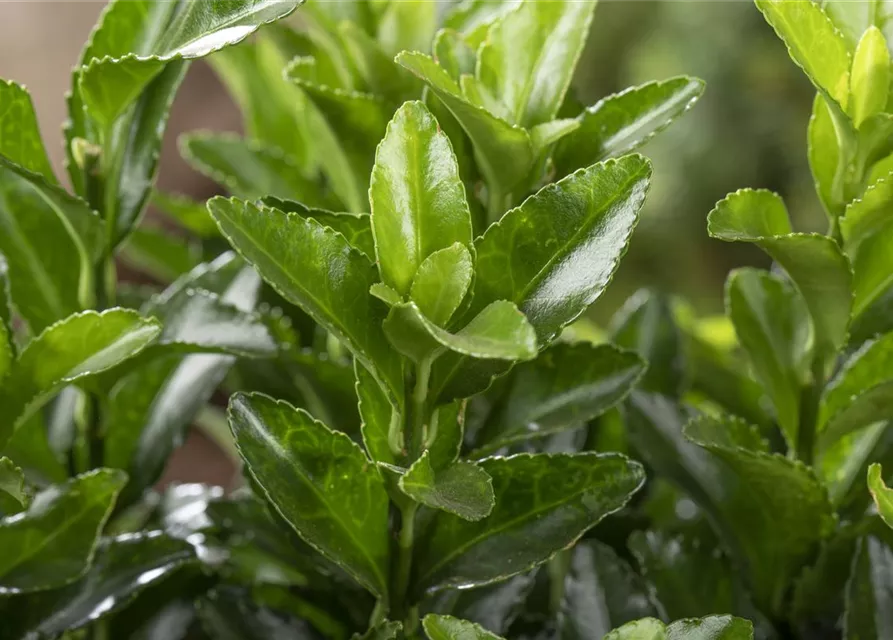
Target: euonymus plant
[435, 442]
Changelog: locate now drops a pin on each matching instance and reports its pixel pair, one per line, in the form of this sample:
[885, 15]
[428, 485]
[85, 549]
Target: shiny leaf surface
[882, 495]
[463, 488]
[439, 627]
[441, 282]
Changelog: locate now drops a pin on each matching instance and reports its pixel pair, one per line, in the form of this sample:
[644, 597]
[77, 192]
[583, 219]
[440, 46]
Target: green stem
[558, 567]
[419, 409]
[405, 543]
[810, 397]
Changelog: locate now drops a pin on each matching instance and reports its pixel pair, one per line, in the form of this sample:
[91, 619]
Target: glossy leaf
[463, 488]
[778, 508]
[623, 122]
[869, 592]
[813, 43]
[25, 147]
[417, 198]
[79, 346]
[229, 614]
[823, 152]
[504, 152]
[860, 394]
[567, 385]
[772, 324]
[124, 567]
[601, 592]
[544, 503]
[870, 80]
[12, 482]
[52, 543]
[709, 628]
[315, 268]
[250, 169]
[319, 481]
[814, 262]
[530, 81]
[441, 282]
[439, 627]
[882, 495]
[499, 331]
[377, 415]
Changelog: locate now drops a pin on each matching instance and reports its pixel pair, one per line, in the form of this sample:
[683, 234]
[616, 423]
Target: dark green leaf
[377, 414]
[463, 488]
[623, 122]
[530, 81]
[869, 592]
[772, 324]
[860, 394]
[567, 385]
[544, 503]
[52, 543]
[493, 607]
[439, 627]
[189, 213]
[601, 592]
[250, 169]
[814, 262]
[441, 282]
[418, 201]
[319, 481]
[161, 256]
[315, 268]
[504, 152]
[228, 614]
[82, 345]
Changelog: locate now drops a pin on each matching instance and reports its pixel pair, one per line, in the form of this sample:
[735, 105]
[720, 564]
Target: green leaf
[228, 613]
[441, 282]
[407, 26]
[384, 631]
[417, 198]
[377, 415]
[623, 122]
[377, 69]
[454, 53]
[504, 152]
[20, 140]
[868, 592]
[472, 18]
[499, 331]
[824, 155]
[463, 488]
[12, 482]
[544, 503]
[709, 628]
[814, 262]
[124, 567]
[772, 324]
[860, 394]
[355, 227]
[813, 43]
[250, 169]
[439, 627]
[645, 324]
[777, 507]
[82, 345]
[530, 81]
[870, 81]
[319, 481]
[567, 385]
[882, 495]
[52, 543]
[315, 268]
[601, 592]
[160, 255]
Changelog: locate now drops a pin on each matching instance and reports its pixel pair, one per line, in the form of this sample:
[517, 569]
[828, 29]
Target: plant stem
[810, 396]
[404, 567]
[419, 409]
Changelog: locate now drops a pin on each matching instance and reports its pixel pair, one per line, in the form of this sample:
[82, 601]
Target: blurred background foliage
[748, 130]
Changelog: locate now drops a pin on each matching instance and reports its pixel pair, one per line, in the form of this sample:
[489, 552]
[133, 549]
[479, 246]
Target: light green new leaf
[530, 81]
[601, 592]
[441, 282]
[472, 18]
[317, 269]
[814, 262]
[250, 169]
[125, 566]
[498, 332]
[544, 503]
[319, 481]
[52, 543]
[504, 152]
[439, 627]
[463, 488]
[869, 592]
[82, 345]
[566, 386]
[824, 154]
[775, 508]
[708, 628]
[813, 43]
[773, 327]
[880, 493]
[623, 122]
[870, 76]
[12, 481]
[860, 394]
[417, 198]
[853, 18]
